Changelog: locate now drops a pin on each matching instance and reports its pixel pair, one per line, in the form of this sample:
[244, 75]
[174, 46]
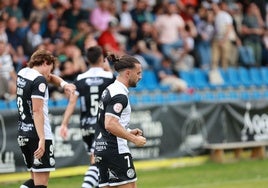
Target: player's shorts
[88, 137]
[28, 147]
[115, 169]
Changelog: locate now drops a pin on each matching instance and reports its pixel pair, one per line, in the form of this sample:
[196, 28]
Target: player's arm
[59, 82]
[38, 117]
[67, 114]
[113, 126]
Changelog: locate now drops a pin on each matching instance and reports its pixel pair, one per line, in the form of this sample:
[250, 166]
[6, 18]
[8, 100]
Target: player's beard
[132, 83]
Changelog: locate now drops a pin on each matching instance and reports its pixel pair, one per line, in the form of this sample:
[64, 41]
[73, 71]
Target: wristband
[63, 83]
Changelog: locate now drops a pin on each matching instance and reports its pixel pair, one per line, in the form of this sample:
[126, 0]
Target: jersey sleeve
[39, 87]
[78, 87]
[117, 105]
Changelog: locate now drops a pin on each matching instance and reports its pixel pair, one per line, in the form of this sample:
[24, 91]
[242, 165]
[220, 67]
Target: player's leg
[41, 179]
[129, 185]
[27, 153]
[41, 167]
[103, 176]
[28, 184]
[91, 175]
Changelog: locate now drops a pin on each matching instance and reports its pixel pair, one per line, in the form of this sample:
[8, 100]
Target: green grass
[244, 174]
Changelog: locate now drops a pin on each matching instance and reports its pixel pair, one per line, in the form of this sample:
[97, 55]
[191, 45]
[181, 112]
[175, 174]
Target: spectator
[168, 76]
[184, 57]
[88, 5]
[52, 32]
[3, 12]
[193, 3]
[32, 39]
[79, 34]
[3, 34]
[205, 29]
[15, 40]
[26, 7]
[252, 30]
[147, 47]
[40, 12]
[89, 41]
[236, 14]
[127, 26]
[100, 16]
[140, 13]
[65, 40]
[74, 14]
[68, 71]
[224, 34]
[58, 12]
[73, 53]
[169, 28]
[8, 75]
[265, 47]
[108, 41]
[13, 10]
[188, 12]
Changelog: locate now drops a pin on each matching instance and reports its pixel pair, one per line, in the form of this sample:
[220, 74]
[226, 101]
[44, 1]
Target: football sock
[28, 184]
[91, 177]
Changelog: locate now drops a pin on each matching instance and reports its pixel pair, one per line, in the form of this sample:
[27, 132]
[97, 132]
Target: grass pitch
[244, 174]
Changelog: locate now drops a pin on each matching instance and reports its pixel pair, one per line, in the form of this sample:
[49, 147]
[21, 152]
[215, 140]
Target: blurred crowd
[167, 36]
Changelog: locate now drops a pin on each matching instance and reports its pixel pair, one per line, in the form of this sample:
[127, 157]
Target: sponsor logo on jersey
[112, 175]
[94, 81]
[37, 162]
[22, 140]
[42, 87]
[21, 82]
[19, 91]
[99, 136]
[118, 107]
[52, 161]
[104, 93]
[130, 173]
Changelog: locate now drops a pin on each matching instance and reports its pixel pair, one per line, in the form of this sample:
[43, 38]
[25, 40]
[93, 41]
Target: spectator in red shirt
[108, 39]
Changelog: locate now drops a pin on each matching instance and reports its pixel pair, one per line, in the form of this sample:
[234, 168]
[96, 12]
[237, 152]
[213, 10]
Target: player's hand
[63, 131]
[40, 150]
[140, 141]
[69, 89]
[136, 132]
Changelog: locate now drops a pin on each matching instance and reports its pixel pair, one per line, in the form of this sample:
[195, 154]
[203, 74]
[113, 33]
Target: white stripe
[43, 169]
[37, 96]
[122, 183]
[110, 114]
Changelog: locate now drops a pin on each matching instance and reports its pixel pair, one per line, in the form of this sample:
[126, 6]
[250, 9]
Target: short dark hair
[122, 63]
[93, 54]
[39, 57]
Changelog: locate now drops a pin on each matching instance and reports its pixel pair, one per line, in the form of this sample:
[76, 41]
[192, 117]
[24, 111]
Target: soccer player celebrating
[112, 154]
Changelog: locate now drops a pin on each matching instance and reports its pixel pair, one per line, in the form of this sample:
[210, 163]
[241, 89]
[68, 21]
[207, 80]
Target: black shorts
[115, 170]
[28, 147]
